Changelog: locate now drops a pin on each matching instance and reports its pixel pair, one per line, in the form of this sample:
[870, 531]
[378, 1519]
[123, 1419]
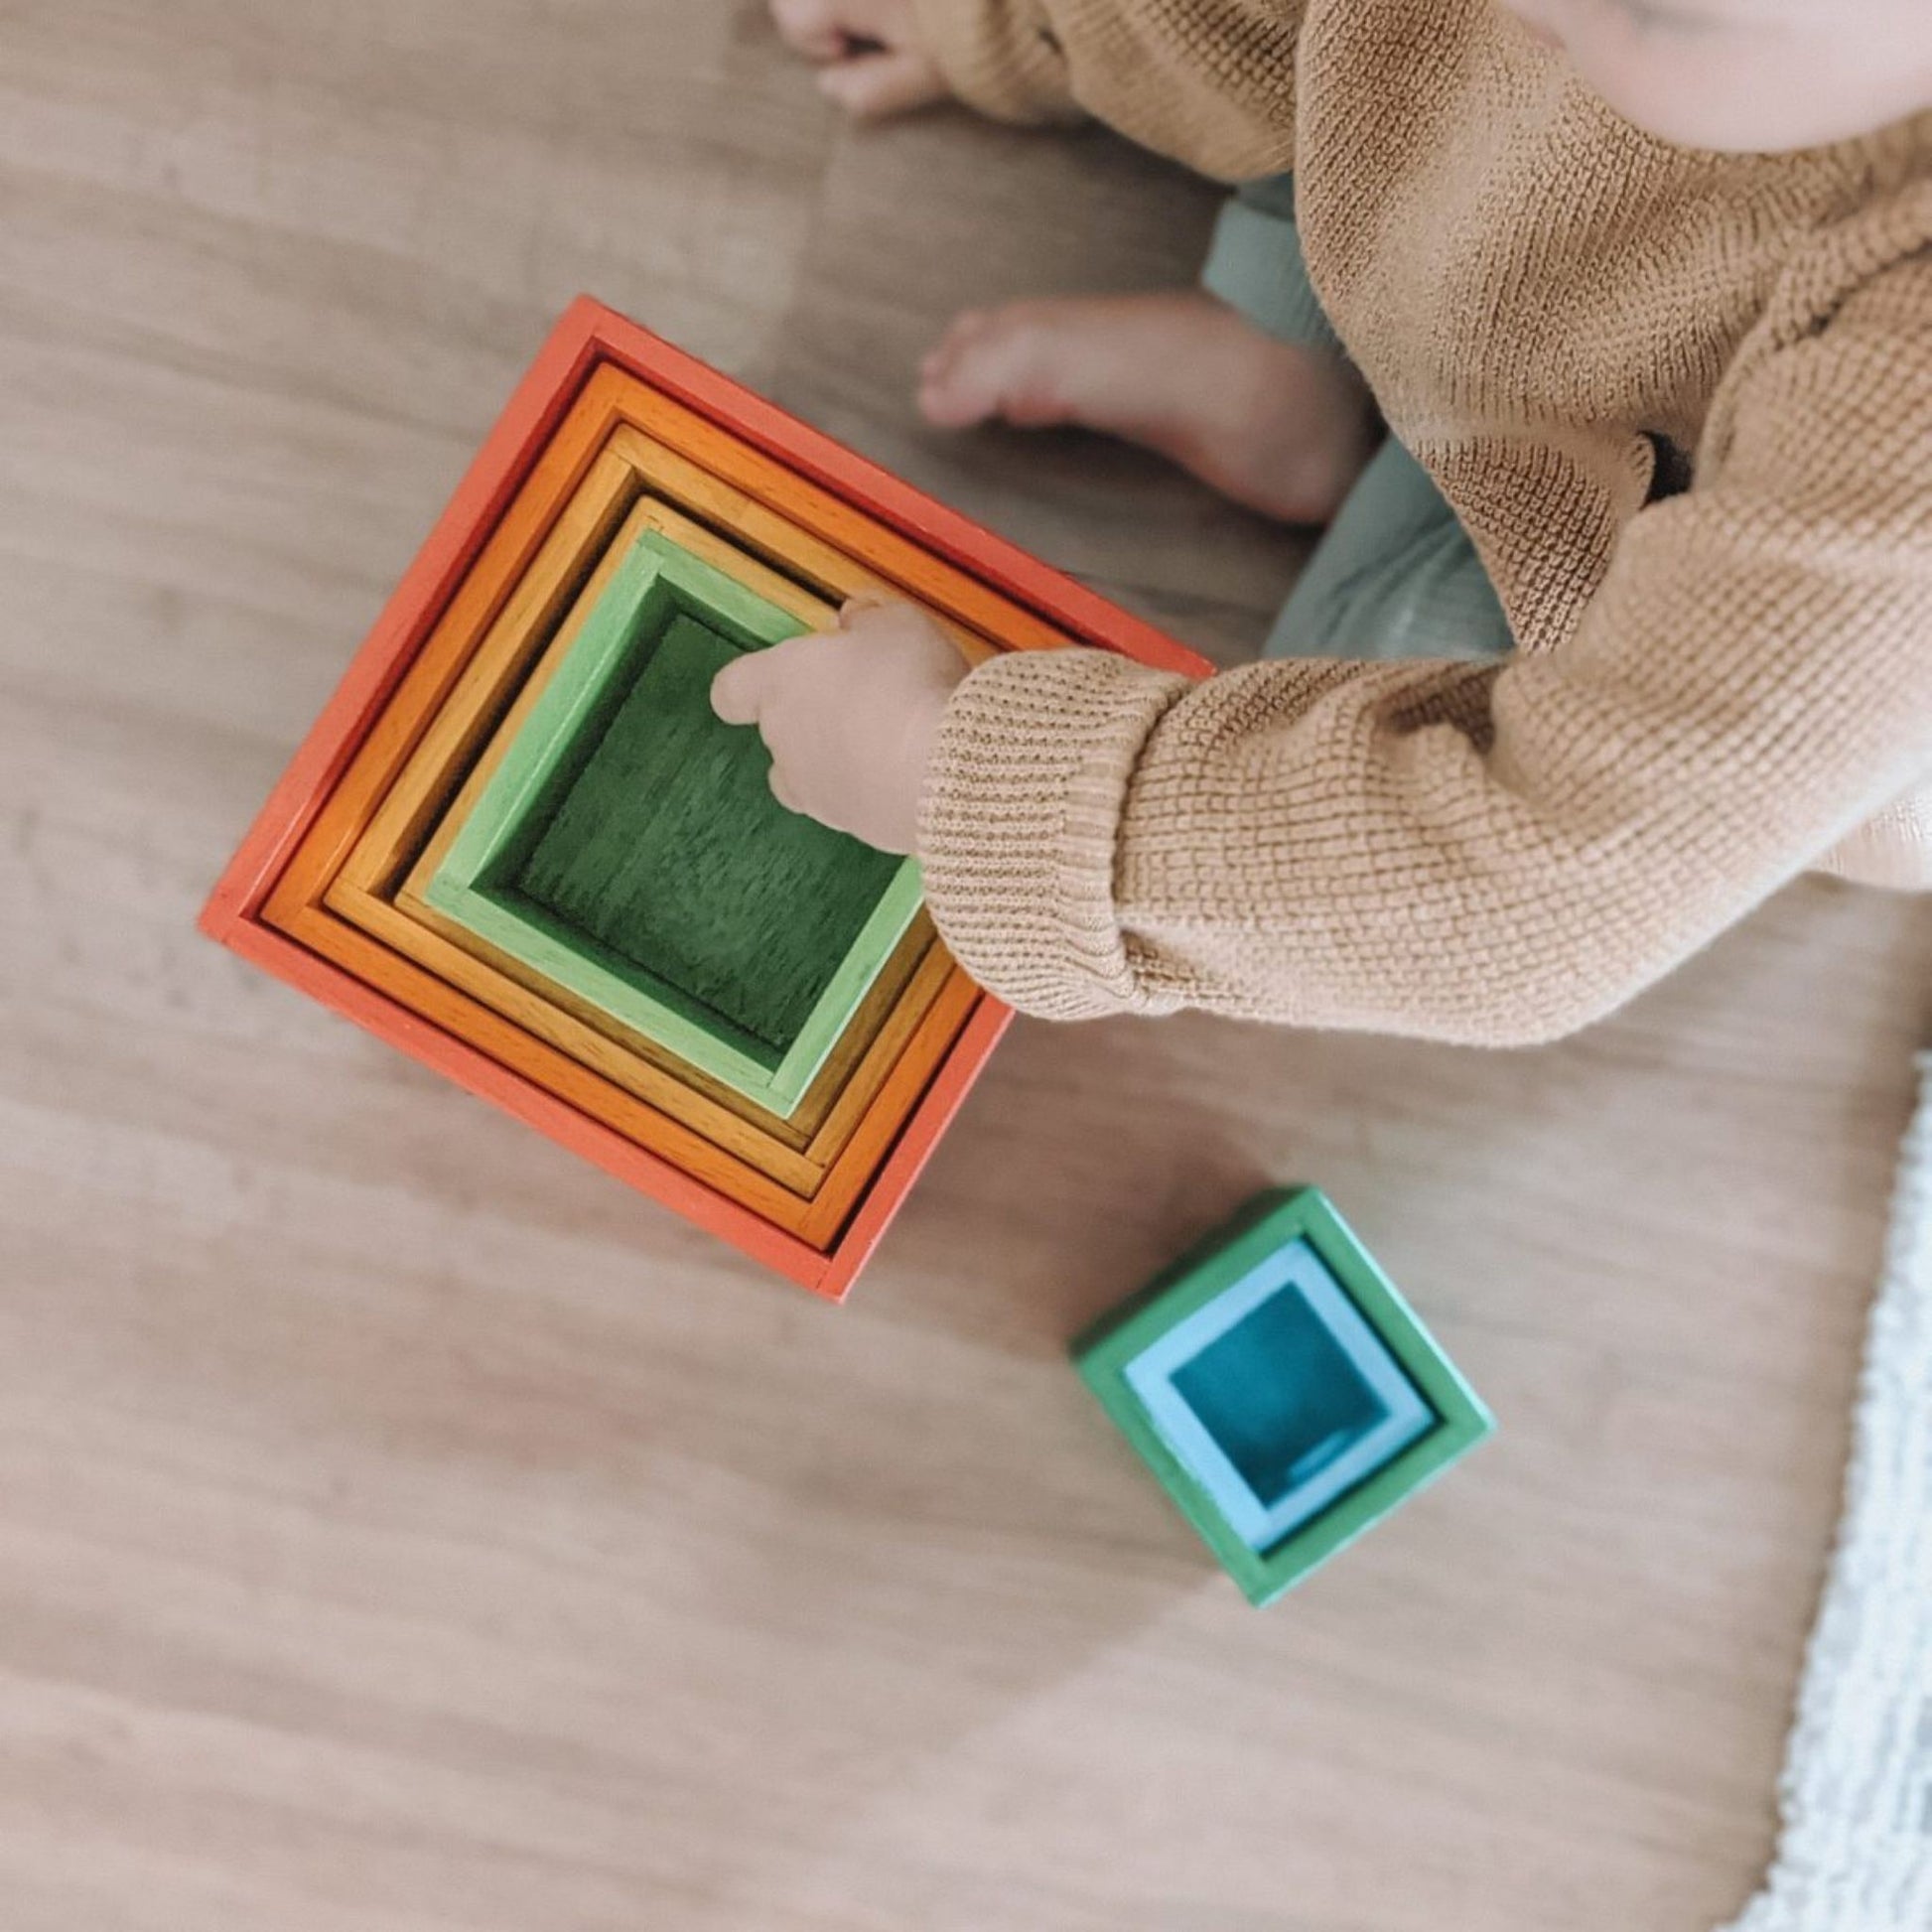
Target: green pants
[1395, 574]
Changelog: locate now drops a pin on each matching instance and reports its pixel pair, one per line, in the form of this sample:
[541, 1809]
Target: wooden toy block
[628, 846]
[648, 513]
[599, 374]
[881, 1062]
[364, 884]
[851, 1059]
[1281, 1390]
[812, 1197]
[511, 665]
[656, 514]
[851, 1122]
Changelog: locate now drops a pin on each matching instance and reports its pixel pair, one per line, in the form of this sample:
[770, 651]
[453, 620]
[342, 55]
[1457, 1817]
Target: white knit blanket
[1854, 1852]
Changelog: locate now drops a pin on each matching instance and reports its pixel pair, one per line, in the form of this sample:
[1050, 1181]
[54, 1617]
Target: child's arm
[1208, 82]
[1476, 853]
[1485, 854]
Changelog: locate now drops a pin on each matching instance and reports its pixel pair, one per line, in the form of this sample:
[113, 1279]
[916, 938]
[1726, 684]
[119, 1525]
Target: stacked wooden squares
[1281, 1390]
[519, 846]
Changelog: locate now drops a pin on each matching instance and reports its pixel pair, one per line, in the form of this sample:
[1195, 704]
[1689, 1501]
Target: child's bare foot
[1283, 429]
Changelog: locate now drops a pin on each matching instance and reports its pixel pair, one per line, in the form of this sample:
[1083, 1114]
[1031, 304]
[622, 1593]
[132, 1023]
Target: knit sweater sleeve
[1210, 82]
[1479, 853]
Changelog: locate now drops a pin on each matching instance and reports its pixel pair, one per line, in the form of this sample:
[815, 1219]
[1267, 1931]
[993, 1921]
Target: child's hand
[850, 716]
[870, 55]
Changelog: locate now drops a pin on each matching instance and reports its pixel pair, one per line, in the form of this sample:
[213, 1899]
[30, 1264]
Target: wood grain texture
[449, 1010]
[496, 591]
[425, 716]
[518, 590]
[408, 1530]
[811, 534]
[896, 1041]
[607, 1120]
[373, 870]
[696, 466]
[737, 561]
[720, 890]
[359, 890]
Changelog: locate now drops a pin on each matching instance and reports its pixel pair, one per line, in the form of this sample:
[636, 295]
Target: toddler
[1626, 621]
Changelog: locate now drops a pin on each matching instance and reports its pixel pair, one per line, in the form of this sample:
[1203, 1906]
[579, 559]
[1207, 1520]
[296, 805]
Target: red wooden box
[588, 336]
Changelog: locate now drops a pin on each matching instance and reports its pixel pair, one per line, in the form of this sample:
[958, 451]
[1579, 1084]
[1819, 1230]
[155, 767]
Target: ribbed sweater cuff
[1021, 820]
[1894, 850]
[1000, 56]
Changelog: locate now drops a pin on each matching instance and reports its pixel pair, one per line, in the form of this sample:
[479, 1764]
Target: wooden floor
[404, 1529]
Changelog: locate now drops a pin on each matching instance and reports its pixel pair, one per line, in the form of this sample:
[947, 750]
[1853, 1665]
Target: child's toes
[963, 329]
[998, 367]
[955, 386]
[958, 387]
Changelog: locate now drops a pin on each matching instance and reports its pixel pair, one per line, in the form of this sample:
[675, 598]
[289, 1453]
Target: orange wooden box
[589, 336]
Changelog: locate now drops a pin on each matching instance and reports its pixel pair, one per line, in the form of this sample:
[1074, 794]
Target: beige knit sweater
[1716, 686]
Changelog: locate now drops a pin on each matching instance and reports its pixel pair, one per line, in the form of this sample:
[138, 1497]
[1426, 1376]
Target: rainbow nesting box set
[519, 846]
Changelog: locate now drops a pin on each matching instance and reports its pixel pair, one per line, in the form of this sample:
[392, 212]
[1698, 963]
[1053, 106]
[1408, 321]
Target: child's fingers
[812, 28]
[874, 86]
[738, 691]
[781, 788]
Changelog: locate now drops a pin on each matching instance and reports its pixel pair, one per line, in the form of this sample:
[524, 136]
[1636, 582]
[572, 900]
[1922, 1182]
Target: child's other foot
[1282, 429]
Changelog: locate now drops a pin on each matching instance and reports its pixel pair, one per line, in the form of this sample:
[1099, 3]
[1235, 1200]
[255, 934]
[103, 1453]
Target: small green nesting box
[1280, 1387]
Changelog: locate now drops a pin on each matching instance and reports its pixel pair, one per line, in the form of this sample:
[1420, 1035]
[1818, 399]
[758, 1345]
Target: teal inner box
[628, 847]
[1278, 1396]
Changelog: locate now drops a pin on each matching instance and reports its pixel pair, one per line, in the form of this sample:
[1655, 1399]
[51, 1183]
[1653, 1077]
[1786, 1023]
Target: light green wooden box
[663, 593]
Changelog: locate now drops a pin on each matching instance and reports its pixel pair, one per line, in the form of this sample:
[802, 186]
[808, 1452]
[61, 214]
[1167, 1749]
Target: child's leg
[1396, 576]
[1254, 264]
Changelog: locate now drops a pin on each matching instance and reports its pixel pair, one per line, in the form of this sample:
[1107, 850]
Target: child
[1644, 295]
